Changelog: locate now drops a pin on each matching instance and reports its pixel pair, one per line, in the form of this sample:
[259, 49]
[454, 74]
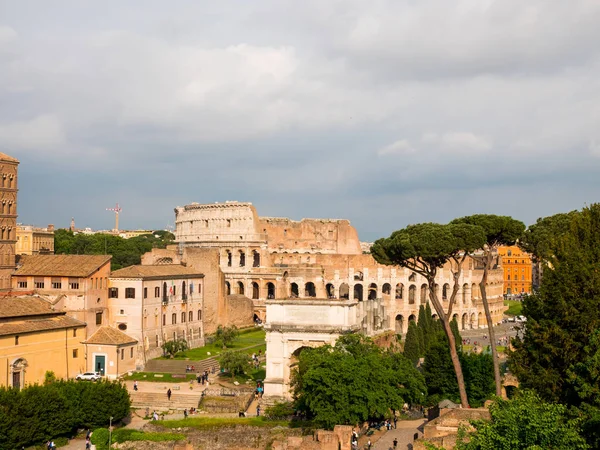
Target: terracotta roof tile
[156, 271]
[16, 307]
[79, 266]
[57, 322]
[110, 336]
[5, 157]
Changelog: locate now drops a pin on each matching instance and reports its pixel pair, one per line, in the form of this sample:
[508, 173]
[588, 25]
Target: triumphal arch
[308, 280]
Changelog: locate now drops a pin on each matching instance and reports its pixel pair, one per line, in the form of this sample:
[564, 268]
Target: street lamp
[110, 431]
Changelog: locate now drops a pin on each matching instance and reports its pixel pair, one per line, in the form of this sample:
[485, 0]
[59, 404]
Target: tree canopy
[525, 422]
[558, 354]
[354, 381]
[125, 252]
[425, 248]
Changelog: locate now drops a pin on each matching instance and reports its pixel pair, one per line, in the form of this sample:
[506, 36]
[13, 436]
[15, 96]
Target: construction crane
[117, 209]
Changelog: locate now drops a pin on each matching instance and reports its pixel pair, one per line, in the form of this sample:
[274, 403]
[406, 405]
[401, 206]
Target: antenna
[117, 209]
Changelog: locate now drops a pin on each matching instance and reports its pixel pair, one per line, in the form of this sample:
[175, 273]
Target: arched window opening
[270, 290]
[358, 292]
[310, 290]
[372, 291]
[399, 324]
[386, 290]
[255, 259]
[227, 288]
[255, 290]
[294, 290]
[445, 291]
[465, 288]
[465, 321]
[412, 318]
[242, 259]
[173, 318]
[190, 316]
[330, 290]
[165, 293]
[229, 258]
[199, 314]
[423, 294]
[183, 317]
[399, 291]
[344, 291]
[240, 288]
[412, 294]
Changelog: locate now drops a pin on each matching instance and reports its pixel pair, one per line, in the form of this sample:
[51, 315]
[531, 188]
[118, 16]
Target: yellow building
[517, 270]
[34, 241]
[34, 339]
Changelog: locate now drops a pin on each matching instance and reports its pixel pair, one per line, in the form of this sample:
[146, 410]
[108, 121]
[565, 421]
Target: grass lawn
[514, 307]
[206, 423]
[253, 374]
[254, 338]
[165, 378]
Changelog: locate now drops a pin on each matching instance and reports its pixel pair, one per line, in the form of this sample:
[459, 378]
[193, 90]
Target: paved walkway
[404, 433]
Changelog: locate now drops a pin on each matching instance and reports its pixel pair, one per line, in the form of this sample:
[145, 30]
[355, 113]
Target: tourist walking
[395, 443]
[169, 394]
[135, 385]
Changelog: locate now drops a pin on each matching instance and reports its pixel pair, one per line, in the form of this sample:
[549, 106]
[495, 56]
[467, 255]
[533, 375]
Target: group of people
[190, 368]
[256, 359]
[203, 377]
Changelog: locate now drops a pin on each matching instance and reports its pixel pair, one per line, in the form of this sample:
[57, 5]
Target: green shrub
[100, 438]
[280, 411]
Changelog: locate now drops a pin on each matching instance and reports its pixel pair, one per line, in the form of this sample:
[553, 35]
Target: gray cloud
[386, 112]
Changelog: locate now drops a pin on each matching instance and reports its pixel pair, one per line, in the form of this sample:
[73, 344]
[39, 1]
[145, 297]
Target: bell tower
[8, 217]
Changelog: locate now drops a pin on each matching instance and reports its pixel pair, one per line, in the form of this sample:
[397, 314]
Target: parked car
[521, 319]
[88, 376]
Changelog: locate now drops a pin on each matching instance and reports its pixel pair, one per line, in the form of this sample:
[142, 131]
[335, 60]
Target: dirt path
[404, 433]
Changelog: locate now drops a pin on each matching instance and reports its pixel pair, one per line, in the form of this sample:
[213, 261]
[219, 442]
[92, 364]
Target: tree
[171, 348]
[353, 381]
[499, 230]
[525, 422]
[556, 353]
[234, 362]
[412, 350]
[226, 335]
[424, 249]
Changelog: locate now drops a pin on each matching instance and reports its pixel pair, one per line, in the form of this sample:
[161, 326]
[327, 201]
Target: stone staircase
[158, 400]
[178, 365]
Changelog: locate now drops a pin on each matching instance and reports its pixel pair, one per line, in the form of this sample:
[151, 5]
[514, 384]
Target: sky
[386, 113]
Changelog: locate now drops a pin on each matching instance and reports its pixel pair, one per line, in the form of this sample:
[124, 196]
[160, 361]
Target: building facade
[157, 303]
[110, 352]
[75, 284]
[34, 240]
[34, 338]
[517, 267]
[8, 217]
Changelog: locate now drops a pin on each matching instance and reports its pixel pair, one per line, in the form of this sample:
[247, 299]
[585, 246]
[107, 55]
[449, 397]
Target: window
[199, 289]
[156, 292]
[122, 353]
[190, 316]
[508, 261]
[191, 287]
[56, 283]
[145, 292]
[129, 292]
[522, 277]
[182, 317]
[74, 332]
[113, 292]
[98, 318]
[16, 340]
[75, 353]
[22, 284]
[509, 252]
[199, 315]
[122, 311]
[509, 278]
[122, 326]
[39, 283]
[174, 318]
[164, 319]
[74, 284]
[131, 352]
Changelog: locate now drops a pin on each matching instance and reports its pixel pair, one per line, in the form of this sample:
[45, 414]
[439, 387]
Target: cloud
[457, 142]
[401, 147]
[39, 134]
[7, 35]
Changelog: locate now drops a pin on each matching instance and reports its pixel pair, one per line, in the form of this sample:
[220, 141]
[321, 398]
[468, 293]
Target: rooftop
[78, 266]
[5, 157]
[156, 272]
[110, 336]
[27, 306]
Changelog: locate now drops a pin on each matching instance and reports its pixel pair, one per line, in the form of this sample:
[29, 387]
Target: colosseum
[265, 258]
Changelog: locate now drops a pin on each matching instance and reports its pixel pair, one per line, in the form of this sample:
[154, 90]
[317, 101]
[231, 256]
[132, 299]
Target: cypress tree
[411, 345]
